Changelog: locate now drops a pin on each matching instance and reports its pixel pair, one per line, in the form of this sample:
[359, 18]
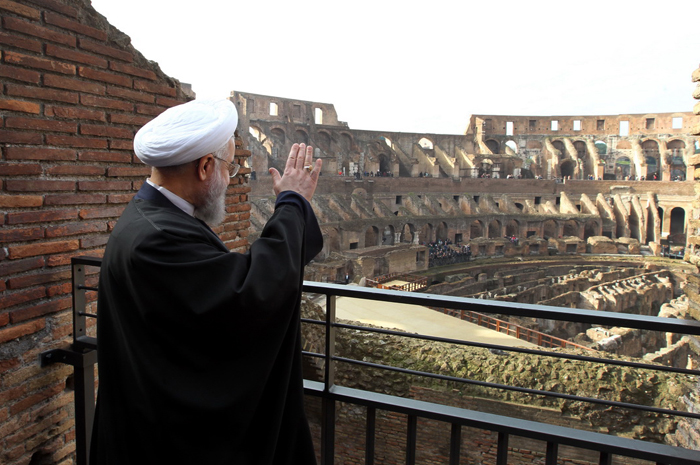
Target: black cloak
[199, 348]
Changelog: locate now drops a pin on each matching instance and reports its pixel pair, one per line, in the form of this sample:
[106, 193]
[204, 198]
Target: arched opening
[622, 168]
[407, 233]
[493, 146]
[256, 132]
[602, 147]
[567, 169]
[512, 145]
[550, 229]
[386, 140]
[486, 169]
[323, 140]
[559, 145]
[372, 236]
[388, 235]
[513, 228]
[494, 229]
[570, 229]
[677, 230]
[300, 137]
[634, 225]
[426, 143]
[426, 234]
[278, 135]
[651, 155]
[476, 229]
[441, 232]
[345, 141]
[384, 164]
[590, 229]
[676, 163]
[333, 240]
[581, 150]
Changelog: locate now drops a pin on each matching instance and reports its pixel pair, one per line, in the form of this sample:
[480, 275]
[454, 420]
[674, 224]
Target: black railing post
[455, 443]
[411, 433]
[84, 411]
[328, 427]
[370, 434]
[551, 454]
[502, 450]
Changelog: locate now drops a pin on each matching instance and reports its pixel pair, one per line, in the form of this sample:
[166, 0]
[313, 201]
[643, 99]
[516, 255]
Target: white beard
[213, 208]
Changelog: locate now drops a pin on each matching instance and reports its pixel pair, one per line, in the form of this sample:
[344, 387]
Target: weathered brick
[38, 185]
[61, 21]
[130, 94]
[94, 241]
[20, 74]
[20, 169]
[120, 198]
[103, 76]
[17, 331]
[57, 6]
[21, 201]
[8, 364]
[105, 50]
[129, 171]
[17, 137]
[102, 102]
[74, 113]
[36, 399]
[121, 144]
[149, 109]
[77, 142]
[64, 259]
[39, 63]
[37, 153]
[155, 88]
[38, 278]
[20, 105]
[132, 70]
[42, 248]
[40, 216]
[41, 124]
[122, 118]
[22, 10]
[102, 212]
[114, 157]
[41, 93]
[167, 102]
[74, 55]
[73, 84]
[11, 299]
[21, 234]
[76, 170]
[20, 42]
[8, 267]
[106, 131]
[24, 27]
[103, 185]
[74, 199]
[75, 228]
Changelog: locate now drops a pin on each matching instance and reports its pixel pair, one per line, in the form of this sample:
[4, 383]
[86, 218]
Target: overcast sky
[426, 66]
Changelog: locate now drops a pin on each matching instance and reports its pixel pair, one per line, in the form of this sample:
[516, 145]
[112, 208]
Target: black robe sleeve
[199, 348]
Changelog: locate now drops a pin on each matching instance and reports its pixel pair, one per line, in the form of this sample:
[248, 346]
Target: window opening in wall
[677, 122]
[250, 106]
[530, 234]
[538, 200]
[296, 111]
[555, 125]
[624, 128]
[577, 125]
[578, 207]
[353, 245]
[425, 143]
[600, 125]
[456, 198]
[509, 128]
[387, 141]
[558, 200]
[255, 132]
[398, 200]
[458, 238]
[532, 124]
[273, 109]
[318, 116]
[488, 125]
[476, 199]
[651, 123]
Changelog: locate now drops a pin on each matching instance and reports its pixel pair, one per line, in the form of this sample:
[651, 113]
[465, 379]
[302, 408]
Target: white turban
[186, 132]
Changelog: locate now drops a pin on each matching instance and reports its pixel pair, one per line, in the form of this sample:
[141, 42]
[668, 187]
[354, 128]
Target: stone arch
[323, 139]
[256, 132]
[590, 229]
[549, 229]
[513, 228]
[559, 145]
[581, 149]
[426, 143]
[372, 236]
[407, 233]
[623, 167]
[345, 141]
[301, 137]
[634, 225]
[567, 168]
[333, 240]
[650, 148]
[495, 229]
[278, 134]
[384, 163]
[426, 233]
[676, 163]
[388, 235]
[570, 228]
[677, 226]
[476, 229]
[441, 232]
[493, 146]
[602, 147]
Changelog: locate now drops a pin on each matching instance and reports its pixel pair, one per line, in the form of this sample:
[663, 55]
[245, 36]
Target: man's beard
[212, 209]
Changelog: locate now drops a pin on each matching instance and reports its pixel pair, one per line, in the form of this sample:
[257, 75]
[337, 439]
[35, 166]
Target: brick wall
[73, 92]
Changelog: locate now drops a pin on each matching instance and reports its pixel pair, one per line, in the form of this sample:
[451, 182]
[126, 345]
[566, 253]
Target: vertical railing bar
[552, 451]
[328, 428]
[455, 443]
[79, 302]
[370, 435]
[502, 449]
[411, 433]
[84, 410]
[605, 458]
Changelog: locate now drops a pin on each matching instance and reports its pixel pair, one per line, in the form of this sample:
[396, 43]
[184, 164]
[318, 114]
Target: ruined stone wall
[73, 94]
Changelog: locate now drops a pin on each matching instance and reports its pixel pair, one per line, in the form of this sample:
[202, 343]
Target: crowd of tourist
[443, 253]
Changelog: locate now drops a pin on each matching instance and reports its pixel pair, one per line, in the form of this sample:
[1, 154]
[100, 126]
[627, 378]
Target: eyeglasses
[232, 167]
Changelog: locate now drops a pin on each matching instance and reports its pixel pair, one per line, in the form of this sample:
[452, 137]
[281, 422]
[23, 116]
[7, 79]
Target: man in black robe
[199, 348]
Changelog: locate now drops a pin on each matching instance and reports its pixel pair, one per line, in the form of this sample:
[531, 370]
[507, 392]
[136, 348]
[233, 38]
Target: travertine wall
[73, 92]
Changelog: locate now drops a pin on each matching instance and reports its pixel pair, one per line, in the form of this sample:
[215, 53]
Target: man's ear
[205, 167]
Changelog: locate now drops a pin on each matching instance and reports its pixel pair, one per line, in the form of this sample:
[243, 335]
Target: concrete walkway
[420, 320]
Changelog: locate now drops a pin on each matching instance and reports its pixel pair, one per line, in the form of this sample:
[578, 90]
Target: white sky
[426, 66]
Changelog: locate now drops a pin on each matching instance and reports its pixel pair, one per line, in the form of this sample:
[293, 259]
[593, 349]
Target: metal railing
[82, 356]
